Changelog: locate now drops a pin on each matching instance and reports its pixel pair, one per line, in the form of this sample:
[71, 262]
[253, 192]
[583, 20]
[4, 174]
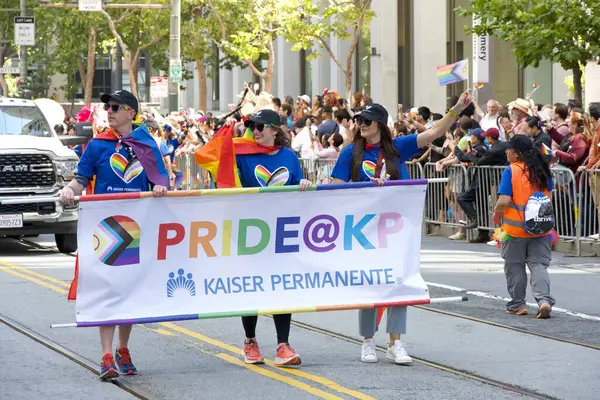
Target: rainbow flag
[453, 73]
[218, 156]
[479, 86]
[535, 87]
[547, 151]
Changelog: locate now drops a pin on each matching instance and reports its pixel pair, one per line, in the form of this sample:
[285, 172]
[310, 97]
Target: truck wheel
[66, 242]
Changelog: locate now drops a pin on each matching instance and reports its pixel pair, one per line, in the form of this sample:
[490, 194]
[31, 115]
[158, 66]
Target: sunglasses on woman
[116, 107]
[361, 120]
[258, 126]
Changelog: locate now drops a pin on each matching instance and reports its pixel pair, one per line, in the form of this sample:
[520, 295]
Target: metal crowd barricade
[415, 171]
[486, 194]
[309, 169]
[441, 205]
[193, 176]
[566, 205]
[589, 205]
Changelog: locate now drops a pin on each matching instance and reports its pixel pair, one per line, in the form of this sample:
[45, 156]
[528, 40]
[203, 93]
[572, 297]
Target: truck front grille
[41, 208]
[26, 170]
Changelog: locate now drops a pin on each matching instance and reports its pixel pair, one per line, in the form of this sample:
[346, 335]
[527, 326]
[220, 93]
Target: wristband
[452, 113]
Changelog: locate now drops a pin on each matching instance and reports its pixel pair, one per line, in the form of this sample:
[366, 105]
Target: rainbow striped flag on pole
[453, 73]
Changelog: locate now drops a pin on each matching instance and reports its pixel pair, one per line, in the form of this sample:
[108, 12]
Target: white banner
[216, 255]
[481, 56]
[159, 87]
[24, 31]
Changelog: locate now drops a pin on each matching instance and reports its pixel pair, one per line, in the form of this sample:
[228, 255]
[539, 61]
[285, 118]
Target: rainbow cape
[218, 156]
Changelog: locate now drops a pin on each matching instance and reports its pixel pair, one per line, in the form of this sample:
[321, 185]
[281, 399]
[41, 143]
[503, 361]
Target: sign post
[481, 58]
[90, 5]
[25, 31]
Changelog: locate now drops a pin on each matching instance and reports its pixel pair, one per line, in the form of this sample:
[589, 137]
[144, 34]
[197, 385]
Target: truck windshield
[23, 120]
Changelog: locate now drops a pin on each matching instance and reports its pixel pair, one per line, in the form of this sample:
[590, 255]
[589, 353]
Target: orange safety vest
[513, 220]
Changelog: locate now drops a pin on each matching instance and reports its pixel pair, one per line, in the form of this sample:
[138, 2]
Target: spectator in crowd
[302, 106]
[560, 114]
[326, 113]
[592, 167]
[357, 99]
[71, 130]
[519, 111]
[59, 129]
[317, 106]
[276, 104]
[343, 118]
[476, 150]
[302, 143]
[328, 146]
[573, 147]
[491, 118]
[534, 129]
[574, 104]
[288, 115]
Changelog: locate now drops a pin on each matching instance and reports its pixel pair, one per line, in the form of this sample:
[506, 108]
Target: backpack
[539, 214]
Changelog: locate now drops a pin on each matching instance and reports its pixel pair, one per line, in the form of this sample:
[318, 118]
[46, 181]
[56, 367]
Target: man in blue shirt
[117, 170]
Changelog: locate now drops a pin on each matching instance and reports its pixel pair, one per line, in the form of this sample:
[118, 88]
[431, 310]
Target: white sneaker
[492, 243]
[368, 352]
[398, 354]
[457, 236]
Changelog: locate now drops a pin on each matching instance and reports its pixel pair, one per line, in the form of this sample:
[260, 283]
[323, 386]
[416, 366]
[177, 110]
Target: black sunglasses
[361, 120]
[258, 126]
[115, 107]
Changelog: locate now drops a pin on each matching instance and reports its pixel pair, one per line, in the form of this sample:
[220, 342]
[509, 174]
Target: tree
[311, 29]
[564, 32]
[247, 29]
[73, 38]
[138, 31]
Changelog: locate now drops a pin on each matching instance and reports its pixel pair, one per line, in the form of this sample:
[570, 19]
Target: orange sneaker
[544, 312]
[252, 354]
[520, 311]
[286, 356]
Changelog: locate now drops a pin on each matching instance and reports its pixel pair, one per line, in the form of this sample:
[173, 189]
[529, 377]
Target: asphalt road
[468, 350]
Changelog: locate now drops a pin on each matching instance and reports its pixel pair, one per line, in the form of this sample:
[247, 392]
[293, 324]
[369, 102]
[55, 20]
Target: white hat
[521, 105]
[305, 98]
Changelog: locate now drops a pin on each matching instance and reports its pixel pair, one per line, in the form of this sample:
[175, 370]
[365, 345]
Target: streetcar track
[78, 359]
[432, 364]
[508, 327]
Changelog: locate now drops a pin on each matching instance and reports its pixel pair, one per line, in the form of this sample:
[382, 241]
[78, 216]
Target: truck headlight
[66, 169]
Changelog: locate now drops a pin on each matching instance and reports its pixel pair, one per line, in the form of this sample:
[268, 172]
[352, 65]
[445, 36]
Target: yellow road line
[28, 271]
[34, 280]
[302, 374]
[11, 269]
[281, 378]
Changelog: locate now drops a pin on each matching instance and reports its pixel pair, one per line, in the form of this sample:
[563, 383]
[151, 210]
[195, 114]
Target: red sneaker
[108, 369]
[286, 356]
[252, 354]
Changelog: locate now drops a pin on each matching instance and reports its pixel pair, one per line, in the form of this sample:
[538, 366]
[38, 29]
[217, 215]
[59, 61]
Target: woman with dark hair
[375, 156]
[277, 168]
[533, 129]
[525, 207]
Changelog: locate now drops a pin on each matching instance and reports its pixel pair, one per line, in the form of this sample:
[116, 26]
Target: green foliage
[564, 32]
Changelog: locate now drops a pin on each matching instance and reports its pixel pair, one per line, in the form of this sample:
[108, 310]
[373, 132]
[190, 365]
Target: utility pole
[174, 54]
[23, 49]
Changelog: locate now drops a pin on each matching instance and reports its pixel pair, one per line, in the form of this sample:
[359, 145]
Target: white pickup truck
[35, 165]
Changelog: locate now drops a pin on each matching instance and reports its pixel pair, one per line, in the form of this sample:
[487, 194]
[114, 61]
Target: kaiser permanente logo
[116, 241]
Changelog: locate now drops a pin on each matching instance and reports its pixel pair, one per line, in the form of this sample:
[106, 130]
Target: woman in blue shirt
[375, 156]
[277, 168]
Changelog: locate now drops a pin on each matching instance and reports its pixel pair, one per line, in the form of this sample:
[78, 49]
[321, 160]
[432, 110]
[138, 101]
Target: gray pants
[396, 321]
[537, 254]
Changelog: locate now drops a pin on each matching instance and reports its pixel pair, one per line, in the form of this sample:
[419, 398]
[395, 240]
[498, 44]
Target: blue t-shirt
[505, 188]
[115, 171]
[261, 170]
[172, 145]
[406, 146]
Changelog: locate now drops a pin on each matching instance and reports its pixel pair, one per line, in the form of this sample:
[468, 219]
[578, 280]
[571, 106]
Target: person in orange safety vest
[524, 205]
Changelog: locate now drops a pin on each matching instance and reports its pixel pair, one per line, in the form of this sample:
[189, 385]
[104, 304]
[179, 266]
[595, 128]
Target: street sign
[481, 56]
[159, 87]
[9, 70]
[90, 5]
[175, 75]
[24, 31]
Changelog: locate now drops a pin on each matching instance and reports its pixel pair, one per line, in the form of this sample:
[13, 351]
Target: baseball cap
[492, 133]
[374, 112]
[327, 128]
[477, 132]
[267, 117]
[521, 143]
[121, 97]
[152, 124]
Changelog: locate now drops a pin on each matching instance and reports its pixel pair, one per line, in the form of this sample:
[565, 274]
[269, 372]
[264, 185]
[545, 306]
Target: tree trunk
[270, 67]
[3, 83]
[91, 66]
[577, 89]
[133, 67]
[201, 68]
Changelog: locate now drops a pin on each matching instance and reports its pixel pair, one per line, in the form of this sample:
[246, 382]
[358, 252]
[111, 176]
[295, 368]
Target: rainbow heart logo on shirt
[266, 178]
[125, 170]
[369, 169]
